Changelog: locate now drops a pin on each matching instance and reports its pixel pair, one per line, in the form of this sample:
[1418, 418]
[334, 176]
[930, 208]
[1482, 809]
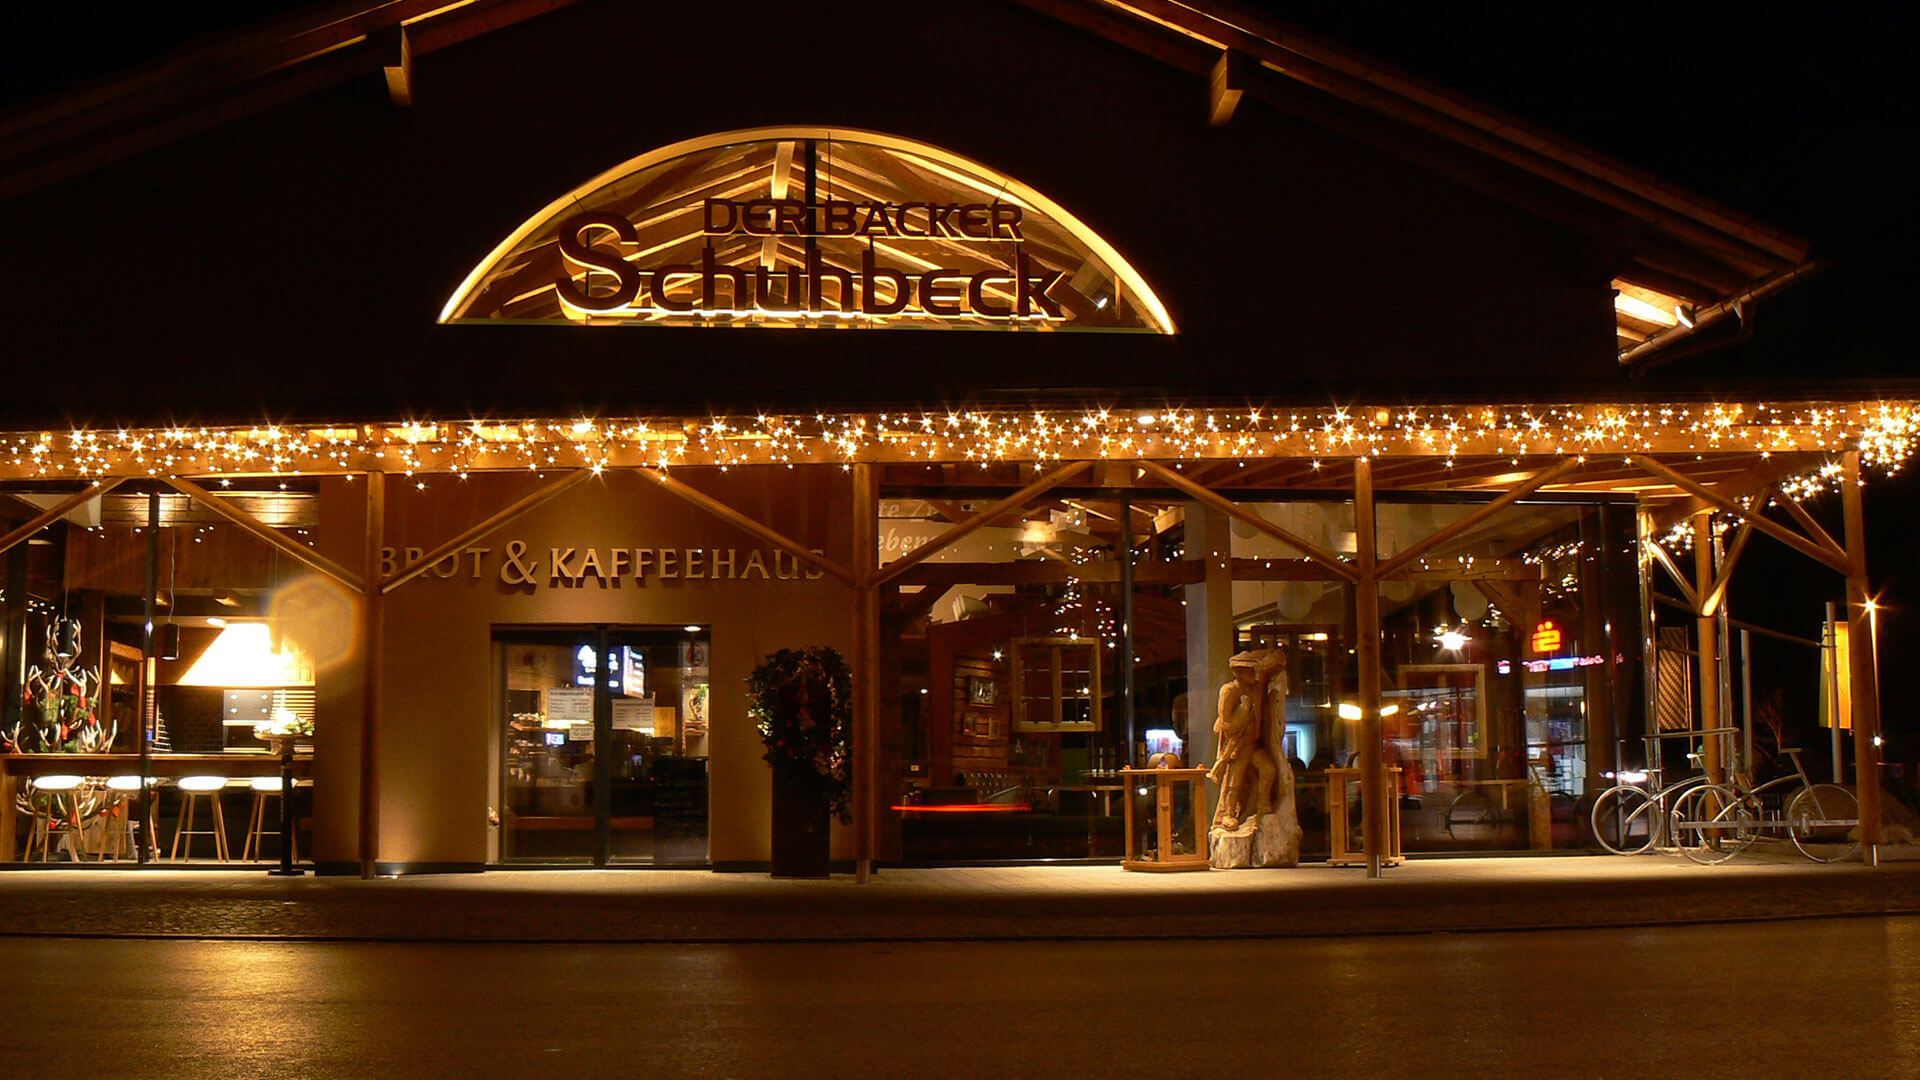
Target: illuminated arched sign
[807, 226]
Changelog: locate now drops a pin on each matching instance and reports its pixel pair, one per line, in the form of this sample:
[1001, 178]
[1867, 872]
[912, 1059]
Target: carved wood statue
[1254, 822]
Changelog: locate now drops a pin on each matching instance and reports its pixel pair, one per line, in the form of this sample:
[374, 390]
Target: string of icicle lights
[1885, 432]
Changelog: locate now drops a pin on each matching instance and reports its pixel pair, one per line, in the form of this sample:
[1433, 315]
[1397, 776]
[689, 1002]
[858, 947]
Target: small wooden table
[1339, 838]
[1164, 780]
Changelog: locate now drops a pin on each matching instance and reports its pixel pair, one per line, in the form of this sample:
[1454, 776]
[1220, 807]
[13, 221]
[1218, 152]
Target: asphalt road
[1822, 998]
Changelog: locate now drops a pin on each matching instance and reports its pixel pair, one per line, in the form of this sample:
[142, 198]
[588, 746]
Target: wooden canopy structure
[1681, 464]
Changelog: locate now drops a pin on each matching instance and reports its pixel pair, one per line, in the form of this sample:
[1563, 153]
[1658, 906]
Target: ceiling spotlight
[1453, 640]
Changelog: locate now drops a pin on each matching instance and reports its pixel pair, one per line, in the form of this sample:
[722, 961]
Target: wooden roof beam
[1234, 510]
[1231, 74]
[57, 511]
[1460, 525]
[396, 61]
[1046, 482]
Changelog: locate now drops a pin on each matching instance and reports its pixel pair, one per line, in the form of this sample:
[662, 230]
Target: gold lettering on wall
[590, 564]
[610, 567]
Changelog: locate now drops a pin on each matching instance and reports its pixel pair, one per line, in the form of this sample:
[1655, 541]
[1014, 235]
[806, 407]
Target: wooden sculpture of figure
[1254, 823]
[1240, 733]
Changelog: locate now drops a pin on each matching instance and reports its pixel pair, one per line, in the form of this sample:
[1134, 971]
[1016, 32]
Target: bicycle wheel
[1823, 820]
[1623, 820]
[1713, 823]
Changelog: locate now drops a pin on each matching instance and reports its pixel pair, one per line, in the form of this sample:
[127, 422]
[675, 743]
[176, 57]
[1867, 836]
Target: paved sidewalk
[985, 903]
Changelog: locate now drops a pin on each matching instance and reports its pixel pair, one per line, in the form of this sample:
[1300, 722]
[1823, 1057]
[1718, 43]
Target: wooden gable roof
[1683, 262]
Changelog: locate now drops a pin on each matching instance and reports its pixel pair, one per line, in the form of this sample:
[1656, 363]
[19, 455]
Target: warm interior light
[1634, 307]
[1349, 711]
[1453, 640]
[691, 628]
[243, 656]
[1644, 304]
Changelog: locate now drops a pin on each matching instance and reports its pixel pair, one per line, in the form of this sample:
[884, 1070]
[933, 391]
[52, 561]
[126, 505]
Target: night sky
[1797, 115]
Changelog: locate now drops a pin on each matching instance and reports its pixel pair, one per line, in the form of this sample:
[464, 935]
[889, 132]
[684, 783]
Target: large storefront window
[1510, 664]
[603, 745]
[1504, 666]
[1013, 694]
[240, 627]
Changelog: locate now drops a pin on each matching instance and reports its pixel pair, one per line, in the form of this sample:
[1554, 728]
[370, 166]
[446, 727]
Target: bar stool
[121, 840]
[60, 790]
[193, 789]
[258, 826]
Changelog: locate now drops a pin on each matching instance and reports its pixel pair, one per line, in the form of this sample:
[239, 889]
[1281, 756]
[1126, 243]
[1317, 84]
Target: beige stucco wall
[438, 727]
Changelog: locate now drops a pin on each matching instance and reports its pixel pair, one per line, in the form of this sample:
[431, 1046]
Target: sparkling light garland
[1884, 432]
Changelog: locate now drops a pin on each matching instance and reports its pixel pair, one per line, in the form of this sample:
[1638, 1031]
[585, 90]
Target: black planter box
[802, 831]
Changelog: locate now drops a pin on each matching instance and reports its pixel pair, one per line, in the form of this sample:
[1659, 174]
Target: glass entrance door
[604, 745]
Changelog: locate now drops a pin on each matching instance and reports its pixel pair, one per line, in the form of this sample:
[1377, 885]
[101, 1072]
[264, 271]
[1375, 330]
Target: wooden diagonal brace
[266, 534]
[1710, 603]
[1810, 526]
[534, 498]
[1772, 528]
[1673, 571]
[57, 511]
[1740, 486]
[1047, 482]
[1525, 488]
[1239, 513]
[746, 524]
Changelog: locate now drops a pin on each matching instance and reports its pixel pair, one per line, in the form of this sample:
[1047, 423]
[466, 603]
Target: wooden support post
[866, 669]
[1709, 635]
[1126, 635]
[1374, 797]
[1863, 678]
[371, 601]
[142, 805]
[1649, 640]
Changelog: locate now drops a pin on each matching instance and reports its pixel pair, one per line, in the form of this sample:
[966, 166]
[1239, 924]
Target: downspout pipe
[1639, 358]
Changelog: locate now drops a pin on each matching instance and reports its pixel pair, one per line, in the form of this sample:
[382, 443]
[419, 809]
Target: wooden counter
[167, 766]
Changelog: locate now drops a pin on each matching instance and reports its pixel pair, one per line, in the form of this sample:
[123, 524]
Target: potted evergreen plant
[802, 702]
